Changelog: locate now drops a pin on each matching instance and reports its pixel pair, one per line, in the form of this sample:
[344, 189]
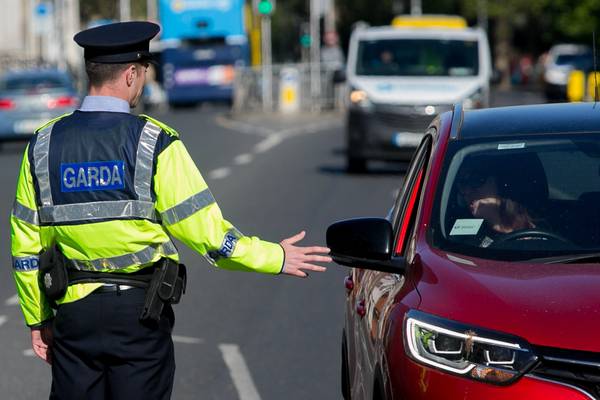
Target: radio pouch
[53, 275]
[166, 287]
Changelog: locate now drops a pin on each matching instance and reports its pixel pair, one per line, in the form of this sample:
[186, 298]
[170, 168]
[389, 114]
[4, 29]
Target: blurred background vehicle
[31, 97]
[561, 60]
[402, 75]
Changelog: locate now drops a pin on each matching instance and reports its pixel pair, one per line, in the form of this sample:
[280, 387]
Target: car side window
[406, 204]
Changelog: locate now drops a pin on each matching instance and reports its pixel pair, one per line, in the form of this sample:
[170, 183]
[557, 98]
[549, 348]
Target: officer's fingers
[316, 258]
[312, 267]
[294, 239]
[316, 249]
[295, 272]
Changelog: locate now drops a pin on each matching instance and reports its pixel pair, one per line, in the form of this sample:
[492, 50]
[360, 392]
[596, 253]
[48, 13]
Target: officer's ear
[131, 74]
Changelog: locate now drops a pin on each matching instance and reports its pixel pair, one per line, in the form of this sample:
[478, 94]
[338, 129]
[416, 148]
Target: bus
[202, 42]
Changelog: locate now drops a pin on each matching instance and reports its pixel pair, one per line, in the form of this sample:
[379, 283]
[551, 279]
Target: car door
[375, 291]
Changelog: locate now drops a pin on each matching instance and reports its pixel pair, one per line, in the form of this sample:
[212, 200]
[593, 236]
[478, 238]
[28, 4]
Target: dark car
[30, 98]
[483, 281]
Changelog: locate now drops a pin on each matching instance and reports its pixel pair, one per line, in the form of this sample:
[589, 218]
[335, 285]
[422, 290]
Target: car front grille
[405, 118]
[576, 368]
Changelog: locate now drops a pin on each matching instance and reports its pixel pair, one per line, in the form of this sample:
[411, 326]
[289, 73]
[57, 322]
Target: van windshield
[418, 57]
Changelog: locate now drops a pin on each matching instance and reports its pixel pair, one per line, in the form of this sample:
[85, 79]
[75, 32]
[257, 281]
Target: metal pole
[267, 67]
[125, 10]
[315, 55]
[151, 10]
[482, 14]
[415, 7]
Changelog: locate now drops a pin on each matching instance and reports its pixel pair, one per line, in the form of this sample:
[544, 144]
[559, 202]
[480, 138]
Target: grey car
[29, 98]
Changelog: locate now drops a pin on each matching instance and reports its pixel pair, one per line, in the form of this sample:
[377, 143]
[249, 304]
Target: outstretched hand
[299, 259]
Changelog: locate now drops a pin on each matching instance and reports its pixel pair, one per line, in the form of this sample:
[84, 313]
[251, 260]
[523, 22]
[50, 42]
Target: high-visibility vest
[109, 189]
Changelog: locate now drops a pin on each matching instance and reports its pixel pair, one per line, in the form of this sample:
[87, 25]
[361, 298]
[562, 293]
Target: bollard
[289, 90]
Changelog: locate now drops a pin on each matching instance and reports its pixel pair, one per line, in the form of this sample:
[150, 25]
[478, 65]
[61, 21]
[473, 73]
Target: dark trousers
[101, 350]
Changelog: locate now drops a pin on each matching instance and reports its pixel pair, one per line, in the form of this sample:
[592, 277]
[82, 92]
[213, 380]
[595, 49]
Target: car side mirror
[365, 243]
[339, 76]
[496, 77]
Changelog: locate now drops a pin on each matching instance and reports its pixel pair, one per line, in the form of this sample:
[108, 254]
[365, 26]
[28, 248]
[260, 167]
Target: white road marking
[243, 159]
[13, 301]
[219, 173]
[3, 319]
[28, 353]
[240, 374]
[187, 340]
[268, 144]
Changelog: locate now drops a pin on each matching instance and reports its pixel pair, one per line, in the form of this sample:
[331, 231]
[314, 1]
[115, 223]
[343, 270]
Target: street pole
[415, 7]
[482, 14]
[267, 67]
[315, 54]
[151, 10]
[124, 10]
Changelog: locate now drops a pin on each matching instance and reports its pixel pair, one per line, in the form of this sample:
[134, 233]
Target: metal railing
[292, 89]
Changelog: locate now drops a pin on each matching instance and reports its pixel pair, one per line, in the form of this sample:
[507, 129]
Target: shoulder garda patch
[92, 176]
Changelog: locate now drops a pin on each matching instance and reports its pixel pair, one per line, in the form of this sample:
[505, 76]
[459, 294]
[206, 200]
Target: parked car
[30, 98]
[562, 59]
[482, 282]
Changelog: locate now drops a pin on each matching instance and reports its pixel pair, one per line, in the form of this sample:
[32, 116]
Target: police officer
[109, 188]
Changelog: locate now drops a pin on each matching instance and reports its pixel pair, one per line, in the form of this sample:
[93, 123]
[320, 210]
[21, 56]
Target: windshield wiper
[591, 258]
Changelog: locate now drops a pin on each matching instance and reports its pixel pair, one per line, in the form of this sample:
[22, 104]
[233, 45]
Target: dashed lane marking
[12, 301]
[3, 319]
[240, 374]
[268, 144]
[219, 173]
[187, 340]
[243, 159]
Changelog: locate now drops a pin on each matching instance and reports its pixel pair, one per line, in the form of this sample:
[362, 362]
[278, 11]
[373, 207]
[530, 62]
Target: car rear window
[25, 83]
[518, 199]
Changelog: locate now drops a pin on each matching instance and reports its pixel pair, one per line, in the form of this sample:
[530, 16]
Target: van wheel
[345, 372]
[356, 165]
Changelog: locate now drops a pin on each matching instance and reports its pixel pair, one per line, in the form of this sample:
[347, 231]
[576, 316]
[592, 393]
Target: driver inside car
[479, 192]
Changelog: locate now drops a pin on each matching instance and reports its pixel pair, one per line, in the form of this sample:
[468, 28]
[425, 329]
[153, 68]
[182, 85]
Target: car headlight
[467, 351]
[557, 76]
[475, 100]
[359, 98]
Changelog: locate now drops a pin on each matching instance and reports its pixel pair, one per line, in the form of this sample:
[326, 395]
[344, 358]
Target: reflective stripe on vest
[142, 208]
[188, 207]
[144, 256]
[26, 214]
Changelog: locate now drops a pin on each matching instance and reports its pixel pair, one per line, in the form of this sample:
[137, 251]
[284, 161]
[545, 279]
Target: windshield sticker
[511, 146]
[466, 226]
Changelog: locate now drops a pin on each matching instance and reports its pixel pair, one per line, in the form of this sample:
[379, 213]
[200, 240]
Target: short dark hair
[99, 73]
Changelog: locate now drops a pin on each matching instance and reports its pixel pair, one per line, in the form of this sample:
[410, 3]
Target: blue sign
[92, 176]
[43, 9]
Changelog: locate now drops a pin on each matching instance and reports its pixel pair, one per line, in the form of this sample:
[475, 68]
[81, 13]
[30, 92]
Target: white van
[401, 76]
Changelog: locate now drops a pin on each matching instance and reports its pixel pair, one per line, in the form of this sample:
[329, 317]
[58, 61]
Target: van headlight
[475, 100]
[360, 99]
[467, 351]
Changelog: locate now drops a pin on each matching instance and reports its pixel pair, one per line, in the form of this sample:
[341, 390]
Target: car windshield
[519, 199]
[33, 83]
[583, 61]
[418, 57]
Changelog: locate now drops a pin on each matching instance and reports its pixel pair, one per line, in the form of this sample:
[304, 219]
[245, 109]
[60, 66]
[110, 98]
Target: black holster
[53, 277]
[166, 287]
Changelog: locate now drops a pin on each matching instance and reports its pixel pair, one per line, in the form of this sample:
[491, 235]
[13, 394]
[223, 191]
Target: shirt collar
[104, 103]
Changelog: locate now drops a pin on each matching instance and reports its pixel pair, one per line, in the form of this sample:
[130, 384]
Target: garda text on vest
[90, 176]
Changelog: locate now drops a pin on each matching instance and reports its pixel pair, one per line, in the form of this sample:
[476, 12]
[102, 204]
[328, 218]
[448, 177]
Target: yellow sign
[430, 21]
[592, 84]
[576, 86]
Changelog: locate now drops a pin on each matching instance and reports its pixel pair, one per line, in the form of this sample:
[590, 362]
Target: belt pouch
[53, 275]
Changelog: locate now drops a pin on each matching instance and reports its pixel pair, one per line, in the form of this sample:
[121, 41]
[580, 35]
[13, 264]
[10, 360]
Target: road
[240, 335]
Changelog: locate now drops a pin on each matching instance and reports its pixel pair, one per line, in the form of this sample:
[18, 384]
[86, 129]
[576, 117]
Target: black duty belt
[139, 278]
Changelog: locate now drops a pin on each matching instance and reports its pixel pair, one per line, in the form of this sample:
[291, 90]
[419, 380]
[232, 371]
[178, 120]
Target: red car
[484, 280]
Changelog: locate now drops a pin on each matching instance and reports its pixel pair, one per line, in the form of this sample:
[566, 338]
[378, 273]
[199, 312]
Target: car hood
[417, 90]
[546, 304]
